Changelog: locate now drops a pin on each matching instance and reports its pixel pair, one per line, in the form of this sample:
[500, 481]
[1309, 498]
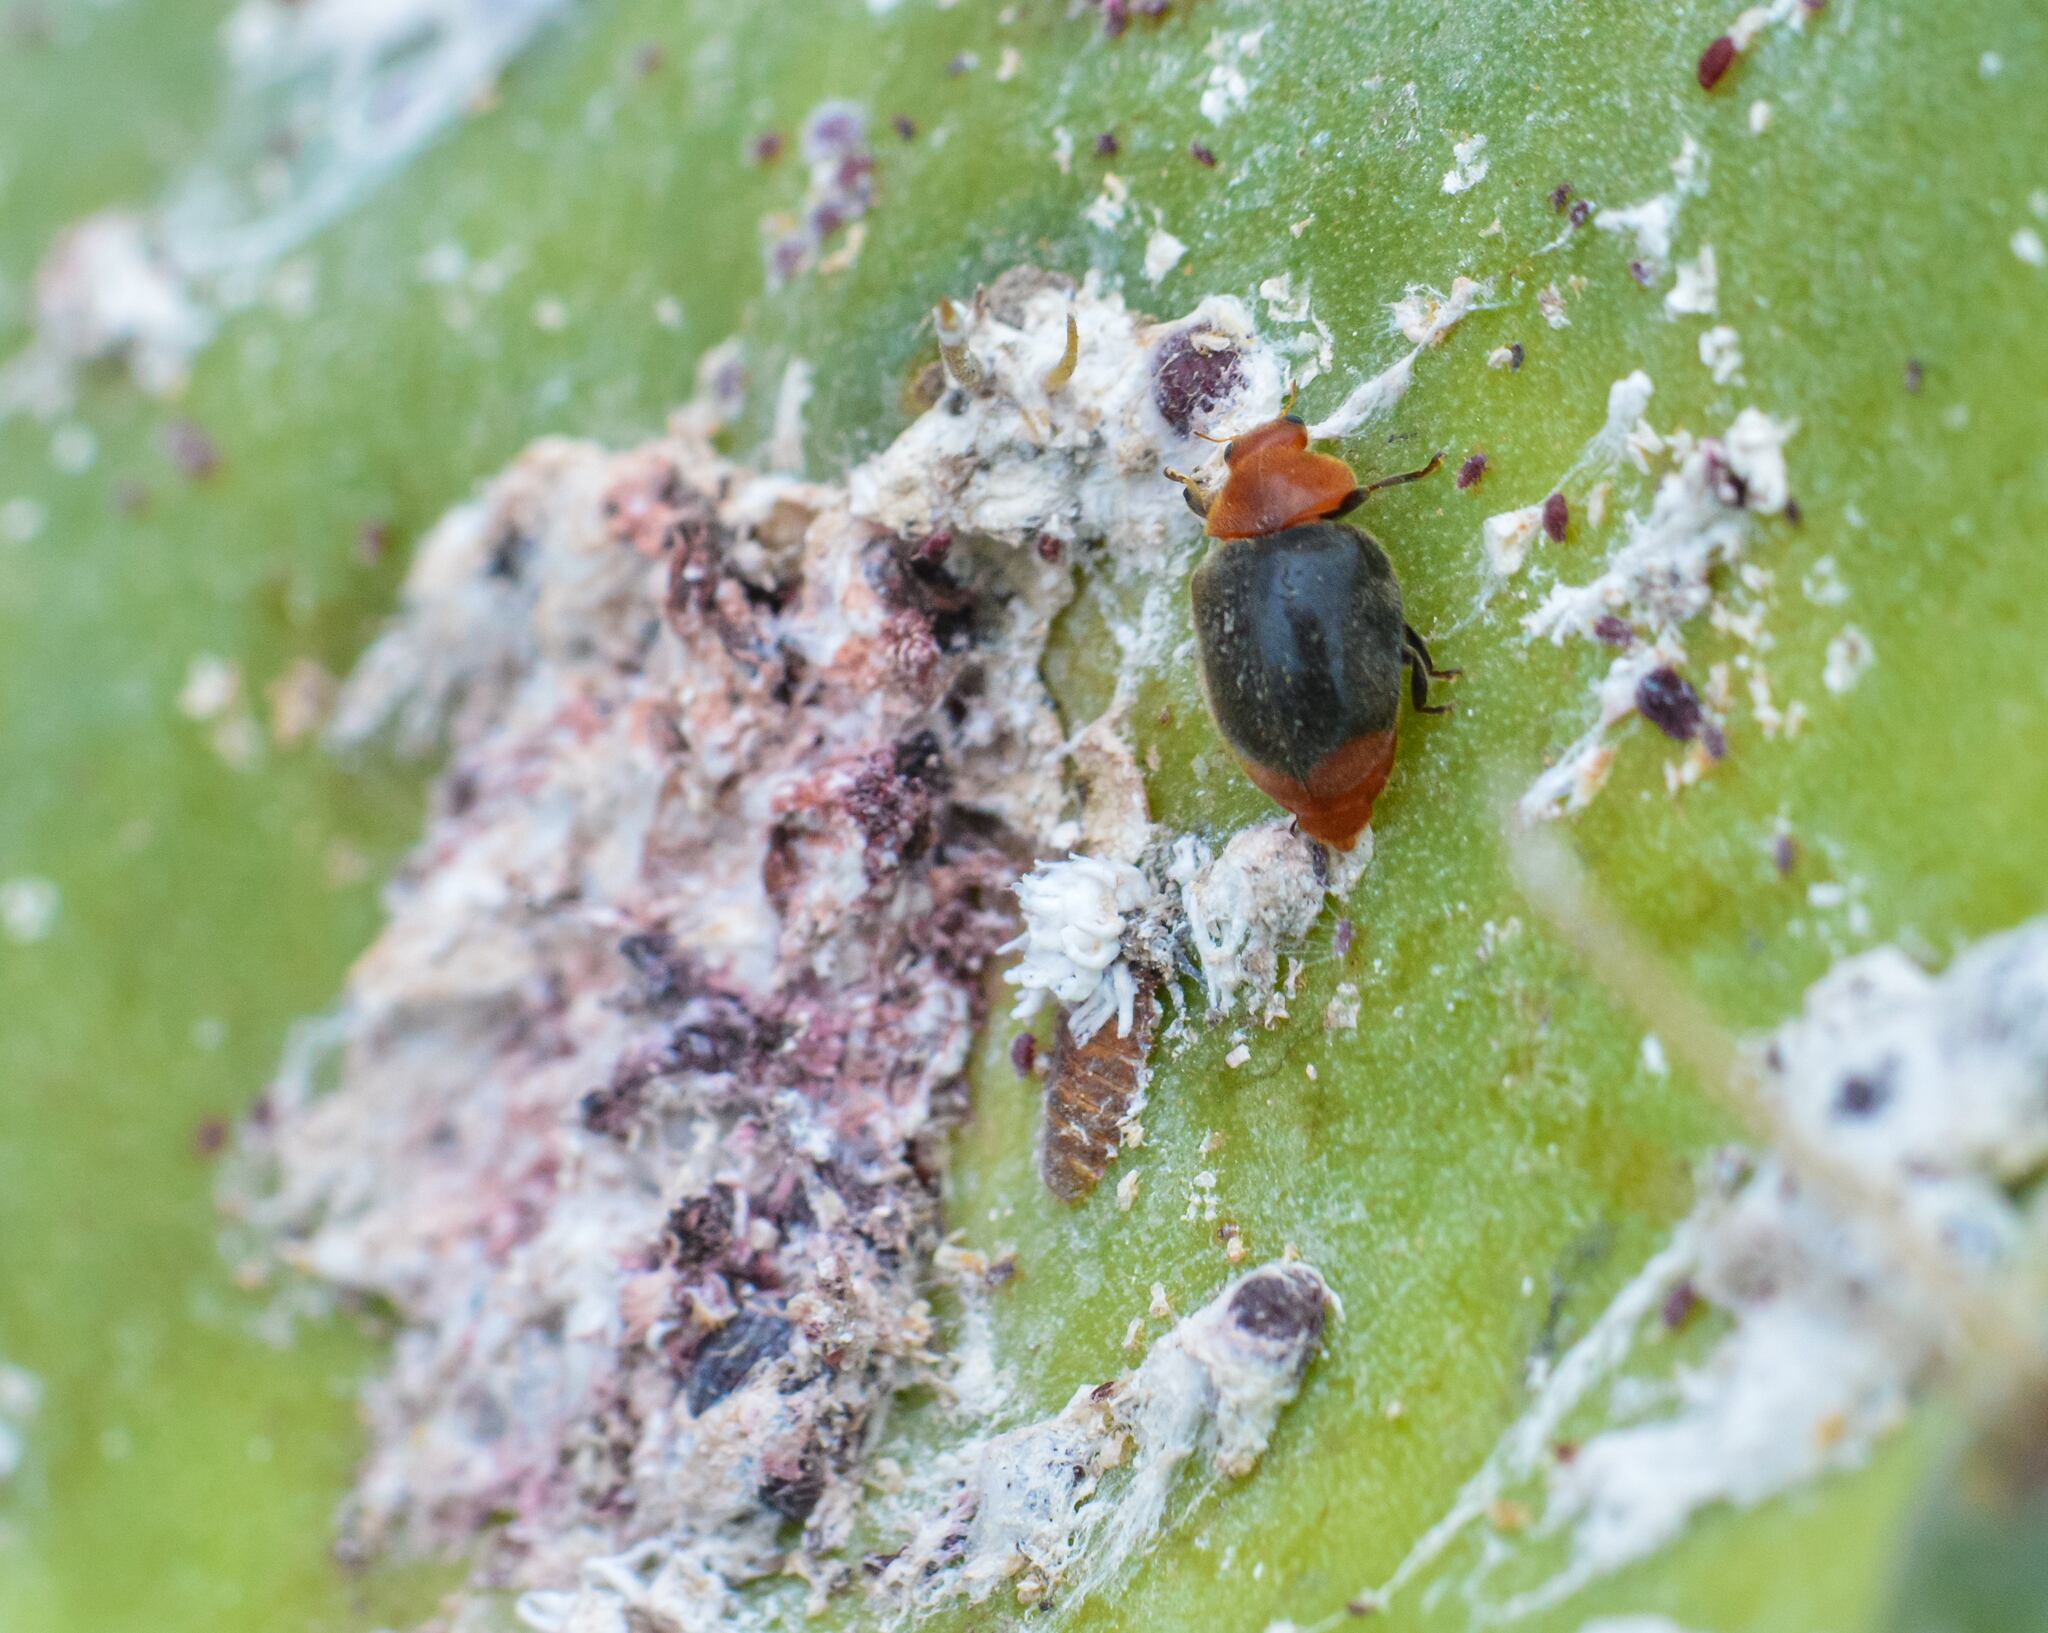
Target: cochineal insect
[1300, 631]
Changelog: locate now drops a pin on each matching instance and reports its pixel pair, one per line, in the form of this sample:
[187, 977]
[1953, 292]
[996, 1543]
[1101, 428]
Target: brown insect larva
[1091, 1090]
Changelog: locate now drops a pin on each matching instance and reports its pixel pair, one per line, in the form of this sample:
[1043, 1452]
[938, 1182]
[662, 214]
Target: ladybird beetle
[1299, 627]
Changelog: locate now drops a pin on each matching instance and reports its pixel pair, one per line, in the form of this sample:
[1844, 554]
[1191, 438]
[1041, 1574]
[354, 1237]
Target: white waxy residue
[1696, 292]
[1060, 1506]
[21, 1397]
[1469, 165]
[28, 909]
[1933, 1090]
[1162, 254]
[1075, 913]
[1256, 900]
[1721, 353]
[359, 87]
[1660, 578]
[1423, 317]
[1650, 223]
[1850, 655]
[1225, 88]
[1506, 537]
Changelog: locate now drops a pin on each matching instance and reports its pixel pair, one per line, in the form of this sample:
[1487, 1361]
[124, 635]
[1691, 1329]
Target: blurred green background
[1489, 1127]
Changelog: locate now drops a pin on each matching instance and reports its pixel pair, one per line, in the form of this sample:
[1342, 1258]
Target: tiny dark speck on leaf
[1785, 854]
[1860, 1096]
[1642, 273]
[904, 126]
[1515, 355]
[210, 1137]
[767, 147]
[1023, 1053]
[1914, 375]
[1346, 933]
[1471, 471]
[1560, 195]
[960, 64]
[1679, 1305]
[1793, 513]
[191, 449]
[1612, 630]
[1201, 155]
[1557, 517]
[1715, 61]
[1581, 213]
[1666, 699]
[1106, 145]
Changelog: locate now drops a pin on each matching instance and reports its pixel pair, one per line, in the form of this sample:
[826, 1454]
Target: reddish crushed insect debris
[1565, 1451]
[188, 446]
[1342, 938]
[209, 1136]
[767, 147]
[1471, 471]
[1557, 517]
[1581, 213]
[933, 549]
[373, 542]
[1613, 631]
[1116, 17]
[1202, 155]
[1049, 547]
[1024, 1054]
[1715, 61]
[1189, 380]
[904, 126]
[1679, 1305]
[1106, 146]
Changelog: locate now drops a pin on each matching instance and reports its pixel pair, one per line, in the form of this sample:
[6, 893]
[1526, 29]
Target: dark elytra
[1301, 642]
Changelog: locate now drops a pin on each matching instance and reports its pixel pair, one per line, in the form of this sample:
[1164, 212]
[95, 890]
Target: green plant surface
[1486, 1158]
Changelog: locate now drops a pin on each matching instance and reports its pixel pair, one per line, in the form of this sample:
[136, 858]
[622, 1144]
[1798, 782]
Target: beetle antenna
[1405, 476]
[1199, 498]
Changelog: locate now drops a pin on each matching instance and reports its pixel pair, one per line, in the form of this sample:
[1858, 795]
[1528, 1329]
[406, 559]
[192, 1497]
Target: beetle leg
[1198, 497]
[1358, 496]
[1420, 672]
[1421, 650]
